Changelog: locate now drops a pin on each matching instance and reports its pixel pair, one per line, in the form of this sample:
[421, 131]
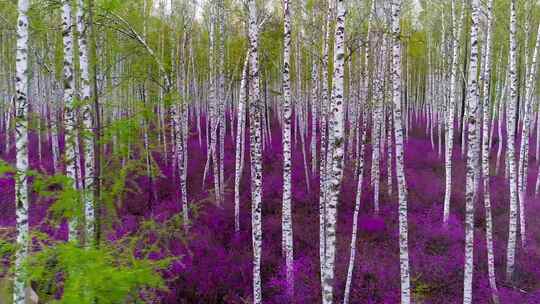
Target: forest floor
[215, 262]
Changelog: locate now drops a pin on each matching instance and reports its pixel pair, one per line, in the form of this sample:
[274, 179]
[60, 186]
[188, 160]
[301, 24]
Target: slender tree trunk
[97, 146]
[486, 78]
[21, 140]
[390, 153]
[87, 137]
[240, 129]
[501, 123]
[314, 102]
[336, 150]
[400, 163]
[287, 231]
[512, 230]
[323, 174]
[221, 97]
[378, 120]
[256, 151]
[524, 149]
[214, 115]
[70, 158]
[472, 155]
[451, 110]
[360, 170]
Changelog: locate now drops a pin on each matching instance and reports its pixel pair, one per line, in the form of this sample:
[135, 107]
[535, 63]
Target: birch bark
[21, 142]
[336, 150]
[69, 114]
[360, 170]
[451, 110]
[486, 78]
[240, 131]
[88, 142]
[400, 163]
[512, 228]
[323, 192]
[256, 151]
[524, 149]
[287, 231]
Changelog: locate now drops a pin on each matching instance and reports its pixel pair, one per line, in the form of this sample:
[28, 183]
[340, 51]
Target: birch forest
[269, 151]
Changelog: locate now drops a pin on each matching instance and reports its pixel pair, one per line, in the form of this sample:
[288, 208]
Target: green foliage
[109, 5]
[59, 187]
[118, 184]
[172, 98]
[5, 168]
[89, 274]
[421, 290]
[6, 248]
[271, 48]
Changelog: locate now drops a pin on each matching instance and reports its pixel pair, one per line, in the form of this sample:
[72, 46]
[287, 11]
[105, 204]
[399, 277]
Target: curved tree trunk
[524, 149]
[486, 78]
[360, 170]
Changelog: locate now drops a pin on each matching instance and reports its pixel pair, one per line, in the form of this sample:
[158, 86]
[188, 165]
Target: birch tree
[324, 163]
[510, 146]
[287, 231]
[400, 162]
[524, 148]
[486, 78]
[472, 154]
[88, 143]
[456, 35]
[21, 142]
[360, 170]
[336, 150]
[240, 142]
[256, 150]
[69, 110]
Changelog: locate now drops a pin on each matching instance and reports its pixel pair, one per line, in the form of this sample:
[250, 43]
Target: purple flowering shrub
[213, 262]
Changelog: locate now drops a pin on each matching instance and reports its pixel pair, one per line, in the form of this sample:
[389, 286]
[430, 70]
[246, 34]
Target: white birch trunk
[336, 151]
[240, 129]
[378, 97]
[486, 78]
[400, 162]
[178, 113]
[512, 228]
[256, 151]
[360, 170]
[21, 141]
[390, 153]
[524, 149]
[88, 143]
[221, 97]
[323, 174]
[214, 116]
[314, 102]
[69, 114]
[287, 231]
[472, 155]
[451, 110]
